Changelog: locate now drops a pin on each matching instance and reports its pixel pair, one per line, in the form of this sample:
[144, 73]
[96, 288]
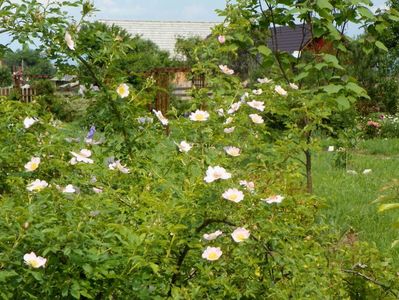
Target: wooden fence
[27, 94]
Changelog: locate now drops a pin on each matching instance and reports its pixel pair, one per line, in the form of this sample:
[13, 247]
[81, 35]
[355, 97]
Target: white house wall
[164, 33]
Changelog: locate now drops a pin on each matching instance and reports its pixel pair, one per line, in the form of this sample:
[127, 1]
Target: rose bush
[215, 209]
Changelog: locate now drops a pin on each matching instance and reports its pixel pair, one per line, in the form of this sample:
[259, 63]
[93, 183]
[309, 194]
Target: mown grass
[349, 197]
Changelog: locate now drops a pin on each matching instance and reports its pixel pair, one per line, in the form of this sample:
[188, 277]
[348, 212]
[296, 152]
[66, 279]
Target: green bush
[44, 87]
[142, 237]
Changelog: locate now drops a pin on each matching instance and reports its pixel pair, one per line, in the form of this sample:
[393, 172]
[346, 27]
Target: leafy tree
[324, 84]
[136, 56]
[5, 76]
[378, 73]
[377, 70]
[33, 61]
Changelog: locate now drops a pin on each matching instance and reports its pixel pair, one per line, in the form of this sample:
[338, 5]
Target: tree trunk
[309, 179]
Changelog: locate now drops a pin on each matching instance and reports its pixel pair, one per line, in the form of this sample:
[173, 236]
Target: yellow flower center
[240, 237]
[34, 263]
[233, 197]
[121, 90]
[200, 117]
[212, 256]
[33, 166]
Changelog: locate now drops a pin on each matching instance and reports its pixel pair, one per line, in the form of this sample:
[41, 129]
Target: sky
[159, 10]
[167, 10]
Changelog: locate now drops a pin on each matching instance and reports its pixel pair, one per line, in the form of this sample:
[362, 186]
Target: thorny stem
[384, 286]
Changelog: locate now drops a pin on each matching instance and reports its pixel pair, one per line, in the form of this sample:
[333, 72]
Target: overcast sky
[167, 10]
[159, 10]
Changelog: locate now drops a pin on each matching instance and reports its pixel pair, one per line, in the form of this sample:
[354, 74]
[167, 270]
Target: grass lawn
[348, 197]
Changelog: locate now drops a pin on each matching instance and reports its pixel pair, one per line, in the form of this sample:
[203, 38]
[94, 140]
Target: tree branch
[376, 282]
[274, 37]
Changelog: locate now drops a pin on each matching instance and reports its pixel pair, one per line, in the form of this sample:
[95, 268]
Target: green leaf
[6, 274]
[332, 60]
[381, 46]
[300, 76]
[393, 18]
[324, 4]
[388, 206]
[357, 89]
[365, 12]
[332, 88]
[264, 50]
[343, 102]
[394, 243]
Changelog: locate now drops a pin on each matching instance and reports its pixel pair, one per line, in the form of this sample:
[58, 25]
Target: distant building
[164, 33]
[297, 38]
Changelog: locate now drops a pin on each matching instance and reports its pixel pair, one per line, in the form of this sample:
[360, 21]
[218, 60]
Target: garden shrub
[142, 237]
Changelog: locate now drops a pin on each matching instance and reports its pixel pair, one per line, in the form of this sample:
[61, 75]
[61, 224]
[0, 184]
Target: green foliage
[376, 73]
[34, 62]
[125, 242]
[139, 233]
[186, 48]
[131, 56]
[5, 76]
[44, 87]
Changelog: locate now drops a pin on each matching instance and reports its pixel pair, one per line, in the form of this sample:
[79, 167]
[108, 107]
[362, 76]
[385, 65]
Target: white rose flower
[234, 195]
[259, 105]
[123, 90]
[240, 234]
[184, 146]
[228, 121]
[160, 117]
[234, 107]
[199, 116]
[33, 164]
[232, 151]
[279, 90]
[212, 253]
[226, 70]
[212, 236]
[215, 173]
[68, 40]
[82, 156]
[69, 189]
[264, 80]
[34, 261]
[229, 130]
[294, 86]
[256, 119]
[257, 92]
[274, 199]
[37, 185]
[247, 184]
[118, 166]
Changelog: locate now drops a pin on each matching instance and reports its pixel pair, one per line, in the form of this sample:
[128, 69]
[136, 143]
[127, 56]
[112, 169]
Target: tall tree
[33, 61]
